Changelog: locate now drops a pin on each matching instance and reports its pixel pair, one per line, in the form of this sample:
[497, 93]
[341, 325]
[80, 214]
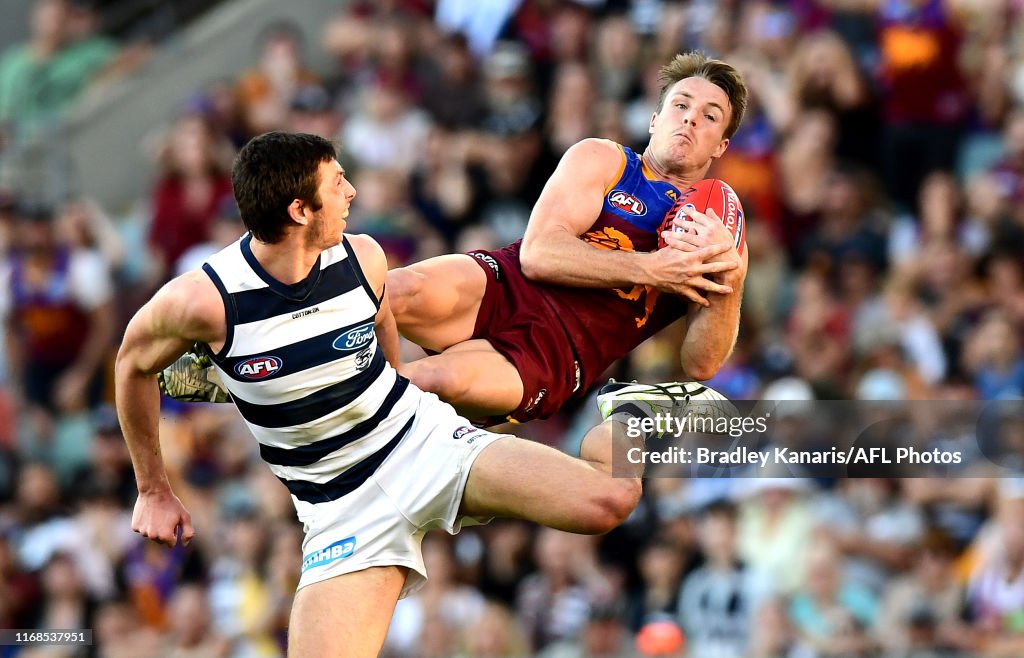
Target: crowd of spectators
[881, 167]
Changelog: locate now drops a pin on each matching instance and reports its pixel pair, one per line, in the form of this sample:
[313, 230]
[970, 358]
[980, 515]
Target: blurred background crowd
[881, 167]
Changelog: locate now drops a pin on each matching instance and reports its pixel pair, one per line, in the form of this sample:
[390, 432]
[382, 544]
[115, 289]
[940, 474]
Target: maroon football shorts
[517, 320]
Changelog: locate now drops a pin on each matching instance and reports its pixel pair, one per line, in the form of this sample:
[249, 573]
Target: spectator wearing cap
[312, 111]
[775, 524]
[56, 301]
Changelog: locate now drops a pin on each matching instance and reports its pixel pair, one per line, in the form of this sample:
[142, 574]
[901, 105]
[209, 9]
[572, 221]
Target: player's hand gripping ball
[714, 194]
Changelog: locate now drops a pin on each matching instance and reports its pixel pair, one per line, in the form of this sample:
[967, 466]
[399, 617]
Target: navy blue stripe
[350, 480]
[314, 452]
[299, 356]
[298, 291]
[230, 312]
[359, 272]
[262, 303]
[313, 406]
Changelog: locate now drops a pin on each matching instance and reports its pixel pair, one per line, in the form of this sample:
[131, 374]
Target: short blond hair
[721, 74]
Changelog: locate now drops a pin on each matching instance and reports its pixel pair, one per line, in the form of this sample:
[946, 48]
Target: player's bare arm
[712, 330]
[186, 310]
[374, 264]
[571, 201]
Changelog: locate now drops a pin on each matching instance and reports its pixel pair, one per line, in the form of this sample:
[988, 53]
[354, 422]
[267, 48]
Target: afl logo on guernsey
[258, 367]
[627, 203]
[354, 339]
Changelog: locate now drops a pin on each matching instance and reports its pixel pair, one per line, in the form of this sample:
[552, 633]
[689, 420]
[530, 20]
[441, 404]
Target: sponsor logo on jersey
[465, 430]
[259, 367]
[363, 359]
[627, 203]
[608, 238]
[336, 551]
[536, 400]
[489, 261]
[304, 312]
[672, 194]
[355, 338]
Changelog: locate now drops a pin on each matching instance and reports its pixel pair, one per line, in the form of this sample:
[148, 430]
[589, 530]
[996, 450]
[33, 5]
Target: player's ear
[720, 150]
[297, 211]
[650, 128]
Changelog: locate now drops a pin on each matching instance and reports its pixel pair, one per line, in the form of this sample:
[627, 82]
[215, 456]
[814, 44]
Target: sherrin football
[714, 194]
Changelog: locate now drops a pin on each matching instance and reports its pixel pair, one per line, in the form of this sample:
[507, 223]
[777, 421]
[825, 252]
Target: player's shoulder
[192, 300]
[369, 253]
[592, 161]
[595, 150]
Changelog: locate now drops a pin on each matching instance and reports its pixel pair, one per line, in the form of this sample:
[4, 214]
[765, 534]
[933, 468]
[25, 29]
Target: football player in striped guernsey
[296, 319]
[517, 332]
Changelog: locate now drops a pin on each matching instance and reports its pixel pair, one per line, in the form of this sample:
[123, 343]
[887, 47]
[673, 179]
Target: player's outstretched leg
[347, 615]
[517, 478]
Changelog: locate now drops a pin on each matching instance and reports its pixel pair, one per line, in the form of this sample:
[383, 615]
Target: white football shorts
[418, 488]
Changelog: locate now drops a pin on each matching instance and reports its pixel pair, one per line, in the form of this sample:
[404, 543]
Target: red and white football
[718, 196]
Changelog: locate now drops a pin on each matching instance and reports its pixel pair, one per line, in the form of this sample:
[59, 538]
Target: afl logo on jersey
[627, 203]
[354, 339]
[258, 367]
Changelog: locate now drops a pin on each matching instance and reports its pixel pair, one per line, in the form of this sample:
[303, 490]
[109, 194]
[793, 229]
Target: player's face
[336, 194]
[688, 130]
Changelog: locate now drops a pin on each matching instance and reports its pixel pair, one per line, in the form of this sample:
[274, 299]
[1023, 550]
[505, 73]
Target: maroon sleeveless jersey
[561, 338]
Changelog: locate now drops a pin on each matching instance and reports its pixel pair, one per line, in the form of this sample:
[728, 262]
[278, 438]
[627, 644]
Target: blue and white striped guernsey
[304, 368]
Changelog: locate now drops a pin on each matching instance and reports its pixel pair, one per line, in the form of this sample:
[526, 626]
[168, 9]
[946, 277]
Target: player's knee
[403, 285]
[700, 371]
[612, 506]
[433, 376]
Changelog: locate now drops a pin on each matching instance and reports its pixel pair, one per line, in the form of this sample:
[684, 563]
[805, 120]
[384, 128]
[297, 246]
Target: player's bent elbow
[530, 263]
[535, 264]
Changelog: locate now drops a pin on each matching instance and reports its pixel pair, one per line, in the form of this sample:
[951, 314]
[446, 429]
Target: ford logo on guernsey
[354, 339]
[259, 367]
[336, 551]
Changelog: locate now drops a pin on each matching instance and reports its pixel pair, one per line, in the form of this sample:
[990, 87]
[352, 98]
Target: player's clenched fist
[158, 516]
